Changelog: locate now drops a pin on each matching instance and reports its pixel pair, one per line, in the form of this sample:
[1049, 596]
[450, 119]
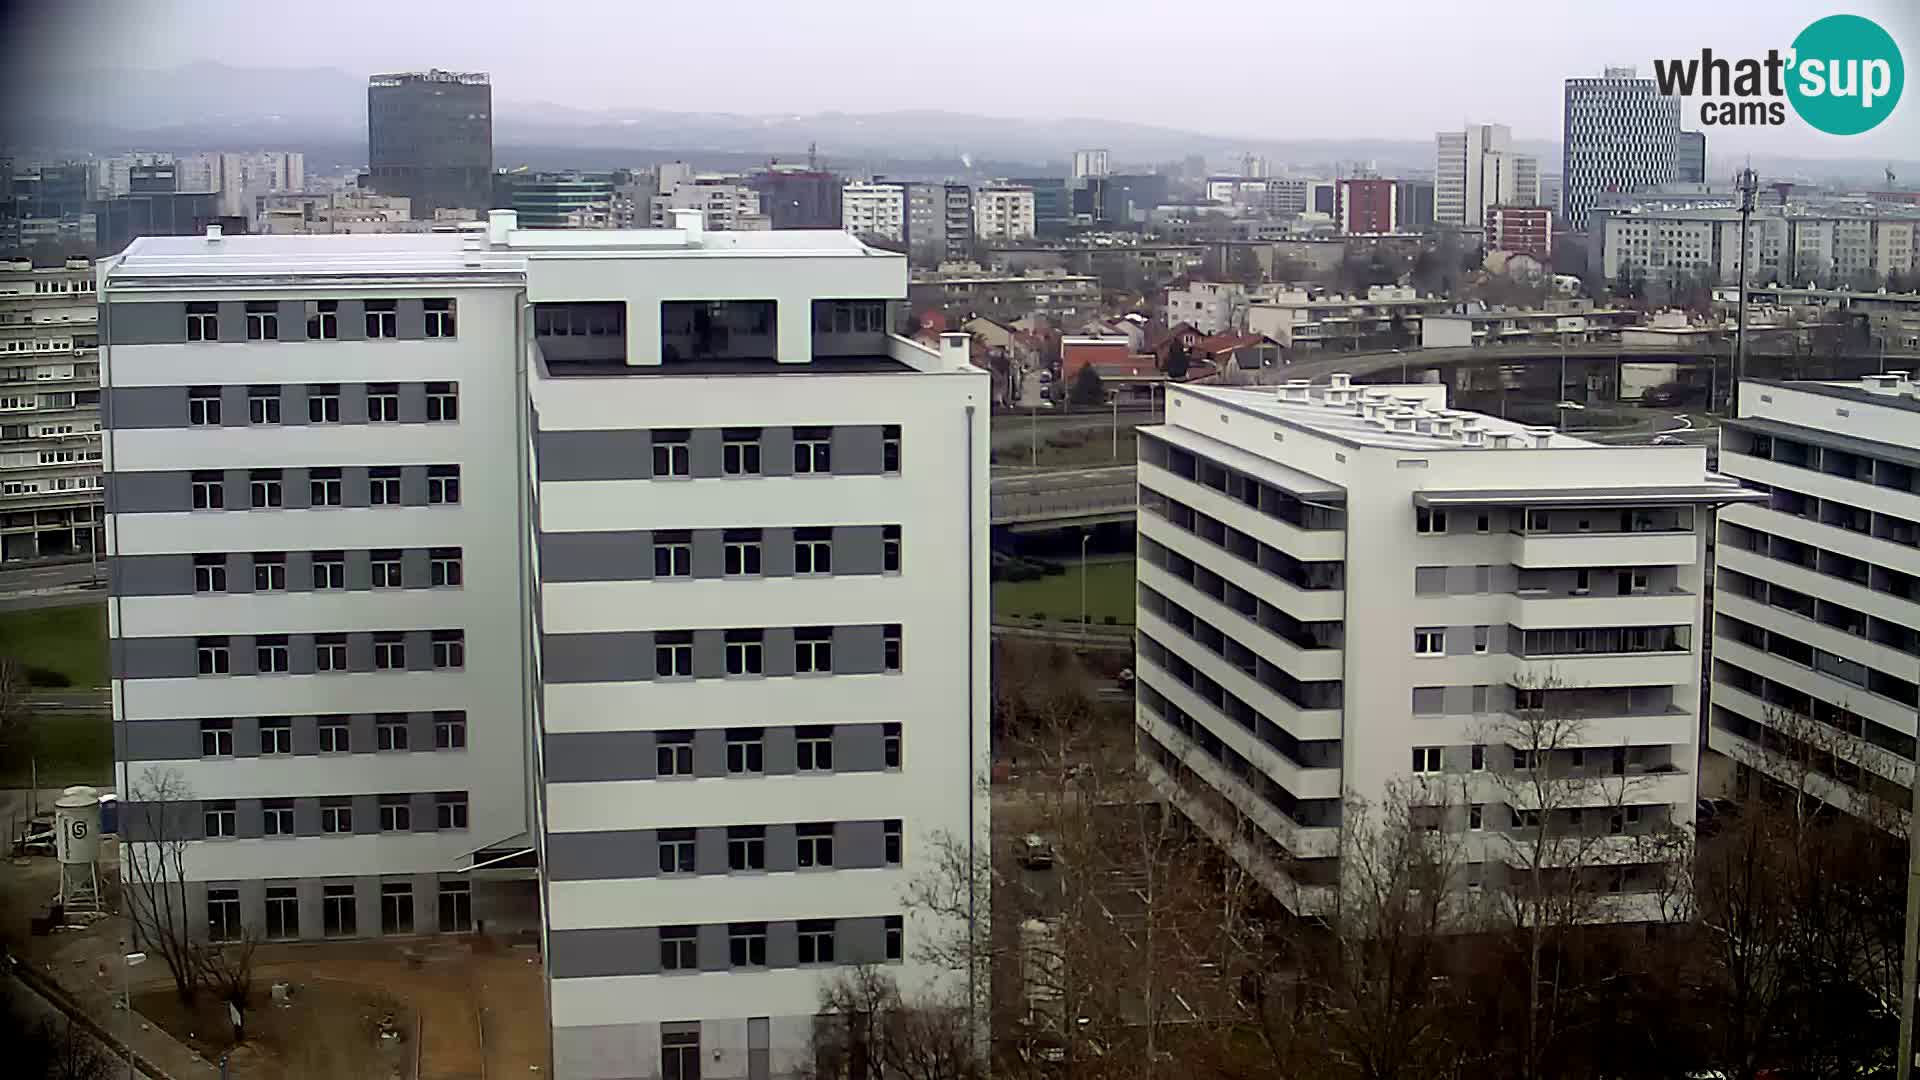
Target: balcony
[1548, 550]
[1538, 610]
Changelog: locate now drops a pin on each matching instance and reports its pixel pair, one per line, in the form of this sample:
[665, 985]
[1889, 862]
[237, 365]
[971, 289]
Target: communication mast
[1748, 183]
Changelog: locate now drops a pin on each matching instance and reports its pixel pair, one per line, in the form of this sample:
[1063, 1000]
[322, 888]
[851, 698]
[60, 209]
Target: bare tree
[866, 1029]
[153, 874]
[227, 969]
[13, 698]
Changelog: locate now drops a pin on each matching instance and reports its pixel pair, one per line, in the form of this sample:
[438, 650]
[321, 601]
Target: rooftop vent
[1888, 383]
[1473, 436]
[1340, 380]
[1501, 439]
[213, 234]
[1443, 426]
[691, 222]
[499, 224]
[1540, 436]
[1295, 390]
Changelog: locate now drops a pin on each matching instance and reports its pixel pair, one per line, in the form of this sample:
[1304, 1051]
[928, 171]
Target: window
[1426, 520]
[1524, 760]
[323, 403]
[263, 404]
[890, 647]
[1536, 521]
[209, 573]
[896, 937]
[676, 851]
[443, 402]
[670, 453]
[673, 654]
[335, 735]
[1476, 817]
[439, 319]
[211, 652]
[276, 735]
[323, 320]
[329, 570]
[209, 492]
[336, 816]
[890, 745]
[672, 554]
[456, 907]
[203, 406]
[1479, 757]
[449, 649]
[396, 813]
[813, 650]
[813, 551]
[816, 941]
[746, 847]
[450, 810]
[216, 738]
[813, 749]
[1637, 582]
[1429, 641]
[1482, 522]
[383, 403]
[742, 554]
[396, 907]
[324, 487]
[680, 1050]
[337, 911]
[449, 731]
[263, 489]
[390, 731]
[747, 944]
[890, 549]
[283, 913]
[892, 841]
[679, 947]
[221, 820]
[740, 451]
[673, 754]
[385, 565]
[383, 319]
[745, 751]
[203, 322]
[443, 485]
[1426, 759]
[1524, 819]
[269, 571]
[812, 450]
[1480, 635]
[223, 914]
[444, 567]
[890, 448]
[816, 845]
[1582, 582]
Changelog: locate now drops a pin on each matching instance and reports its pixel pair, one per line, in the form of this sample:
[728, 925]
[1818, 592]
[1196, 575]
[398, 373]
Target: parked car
[1035, 851]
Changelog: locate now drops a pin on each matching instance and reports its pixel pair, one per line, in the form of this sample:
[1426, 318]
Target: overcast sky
[1252, 68]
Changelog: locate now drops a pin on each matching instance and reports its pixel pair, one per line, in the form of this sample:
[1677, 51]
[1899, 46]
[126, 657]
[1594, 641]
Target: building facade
[1368, 206]
[50, 453]
[794, 198]
[1526, 230]
[1620, 133]
[1476, 168]
[728, 204]
[1817, 599]
[875, 209]
[557, 200]
[1412, 205]
[1091, 163]
[1691, 168]
[1003, 212]
[1346, 591]
[430, 139]
[568, 584]
[1829, 250]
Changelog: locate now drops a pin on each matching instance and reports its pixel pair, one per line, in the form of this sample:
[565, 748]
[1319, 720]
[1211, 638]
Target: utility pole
[1749, 183]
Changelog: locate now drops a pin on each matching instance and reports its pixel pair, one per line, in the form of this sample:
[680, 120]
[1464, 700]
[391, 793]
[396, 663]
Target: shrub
[47, 678]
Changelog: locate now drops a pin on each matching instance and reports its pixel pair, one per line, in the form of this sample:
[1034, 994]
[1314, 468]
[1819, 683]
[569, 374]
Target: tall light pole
[1116, 425]
[1749, 183]
[1085, 536]
[128, 963]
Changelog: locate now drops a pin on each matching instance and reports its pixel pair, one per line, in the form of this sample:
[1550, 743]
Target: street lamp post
[1116, 425]
[129, 962]
[1033, 434]
[1085, 537]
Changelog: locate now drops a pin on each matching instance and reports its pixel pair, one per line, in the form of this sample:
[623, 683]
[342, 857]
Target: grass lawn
[70, 640]
[69, 747]
[1109, 592]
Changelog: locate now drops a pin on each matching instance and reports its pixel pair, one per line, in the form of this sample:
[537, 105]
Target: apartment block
[1476, 168]
[626, 590]
[1003, 212]
[1619, 134]
[1345, 590]
[875, 209]
[49, 411]
[1817, 597]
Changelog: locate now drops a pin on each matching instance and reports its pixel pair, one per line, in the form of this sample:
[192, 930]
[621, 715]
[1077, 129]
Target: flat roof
[1848, 389]
[1343, 426]
[1285, 477]
[1904, 455]
[1665, 494]
[824, 365]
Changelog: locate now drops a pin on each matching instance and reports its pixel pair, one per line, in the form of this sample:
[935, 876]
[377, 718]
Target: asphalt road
[50, 586]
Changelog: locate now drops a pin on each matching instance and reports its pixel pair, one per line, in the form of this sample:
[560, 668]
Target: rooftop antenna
[1890, 176]
[1748, 182]
[813, 156]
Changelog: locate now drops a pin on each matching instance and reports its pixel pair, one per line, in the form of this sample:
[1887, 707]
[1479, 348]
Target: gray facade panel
[777, 753]
[300, 660]
[410, 322]
[590, 856]
[858, 845]
[597, 756]
[299, 571]
[420, 804]
[353, 403]
[709, 850]
[420, 730]
[709, 654]
[353, 321]
[180, 819]
[361, 729]
[858, 650]
[413, 485]
[413, 402]
[860, 941]
[366, 819]
[293, 403]
[582, 658]
[582, 954]
[151, 575]
[359, 569]
[293, 320]
[147, 323]
[148, 492]
[247, 819]
[776, 552]
[154, 658]
[712, 944]
[306, 822]
[709, 752]
[599, 556]
[594, 455]
[783, 848]
[239, 572]
[858, 748]
[238, 497]
[856, 450]
[709, 553]
[778, 651]
[703, 452]
[783, 944]
[359, 658]
[246, 736]
[233, 405]
[127, 408]
[159, 740]
[419, 650]
[233, 320]
[306, 735]
[856, 549]
[355, 487]
[776, 451]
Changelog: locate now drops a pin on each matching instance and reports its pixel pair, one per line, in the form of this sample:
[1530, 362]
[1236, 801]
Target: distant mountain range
[323, 111]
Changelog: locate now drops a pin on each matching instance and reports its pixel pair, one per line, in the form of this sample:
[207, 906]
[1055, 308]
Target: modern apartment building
[1091, 163]
[430, 139]
[1347, 588]
[1830, 249]
[1524, 229]
[1620, 134]
[624, 587]
[875, 209]
[728, 203]
[1692, 165]
[49, 411]
[1476, 168]
[1816, 644]
[1003, 212]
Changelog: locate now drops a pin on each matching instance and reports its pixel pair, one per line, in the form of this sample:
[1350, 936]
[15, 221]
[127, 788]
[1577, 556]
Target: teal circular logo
[1846, 75]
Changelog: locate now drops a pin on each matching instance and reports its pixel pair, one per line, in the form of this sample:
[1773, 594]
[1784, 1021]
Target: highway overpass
[1052, 499]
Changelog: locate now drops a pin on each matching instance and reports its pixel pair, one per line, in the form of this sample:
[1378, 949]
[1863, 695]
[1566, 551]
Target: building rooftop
[1872, 390]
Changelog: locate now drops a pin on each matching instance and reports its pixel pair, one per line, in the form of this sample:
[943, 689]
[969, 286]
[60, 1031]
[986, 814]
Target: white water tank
[76, 826]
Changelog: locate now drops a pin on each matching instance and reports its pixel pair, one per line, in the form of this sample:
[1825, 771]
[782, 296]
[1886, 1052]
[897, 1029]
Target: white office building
[49, 411]
[626, 588]
[1091, 163]
[1342, 588]
[1621, 134]
[1476, 168]
[1817, 599]
[875, 209]
[1002, 212]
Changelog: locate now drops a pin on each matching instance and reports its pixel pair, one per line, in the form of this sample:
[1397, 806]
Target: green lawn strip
[69, 640]
[68, 747]
[1109, 592]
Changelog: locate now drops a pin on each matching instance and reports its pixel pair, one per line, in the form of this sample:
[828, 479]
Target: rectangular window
[439, 319]
[323, 403]
[203, 406]
[211, 652]
[1426, 759]
[890, 745]
[323, 320]
[209, 491]
[893, 840]
[269, 571]
[443, 402]
[896, 932]
[813, 551]
[813, 749]
[396, 813]
[747, 944]
[385, 565]
[673, 654]
[443, 485]
[812, 450]
[680, 1050]
[325, 487]
[449, 731]
[1429, 521]
[329, 570]
[746, 847]
[216, 738]
[383, 318]
[679, 947]
[890, 549]
[445, 567]
[742, 552]
[263, 404]
[450, 809]
[396, 907]
[813, 650]
[221, 819]
[389, 652]
[671, 453]
[745, 751]
[203, 321]
[223, 914]
[744, 652]
[816, 845]
[890, 654]
[1476, 817]
[335, 735]
[390, 731]
[890, 448]
[383, 403]
[337, 909]
[1480, 636]
[449, 649]
[209, 573]
[740, 452]
[283, 913]
[672, 554]
[1429, 641]
[816, 941]
[456, 907]
[1479, 757]
[673, 754]
[263, 489]
[677, 851]
[276, 735]
[336, 816]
